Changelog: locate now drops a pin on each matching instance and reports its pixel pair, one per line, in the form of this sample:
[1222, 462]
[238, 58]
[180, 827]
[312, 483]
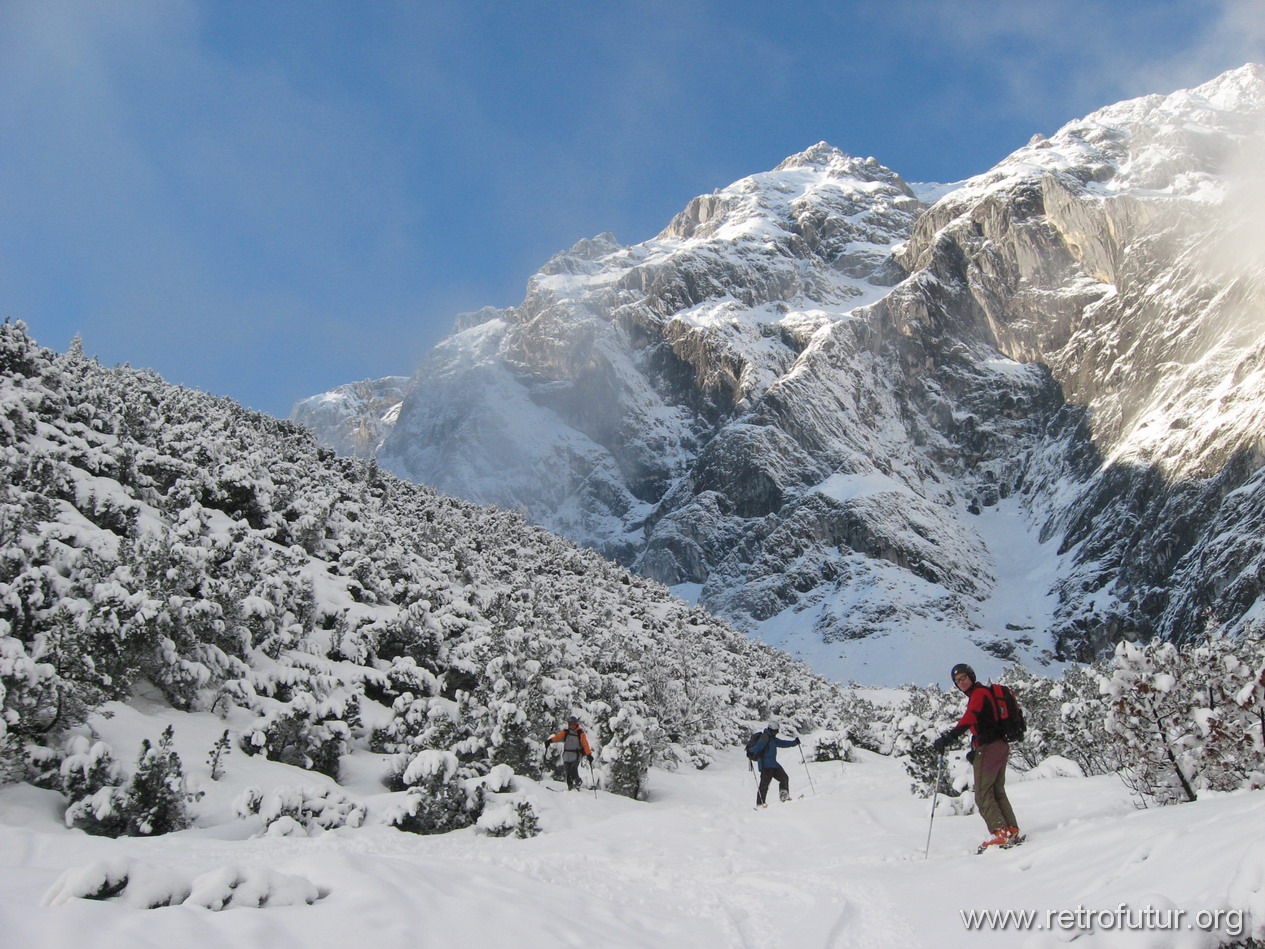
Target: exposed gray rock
[354, 419]
[827, 406]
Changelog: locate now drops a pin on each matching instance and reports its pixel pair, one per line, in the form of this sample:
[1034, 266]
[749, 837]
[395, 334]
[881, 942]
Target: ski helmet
[960, 668]
[774, 724]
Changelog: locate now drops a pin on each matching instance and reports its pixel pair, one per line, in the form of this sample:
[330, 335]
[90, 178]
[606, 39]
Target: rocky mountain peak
[1020, 422]
[820, 189]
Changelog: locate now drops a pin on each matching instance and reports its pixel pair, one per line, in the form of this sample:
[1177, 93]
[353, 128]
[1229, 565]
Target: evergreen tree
[437, 800]
[626, 752]
[156, 795]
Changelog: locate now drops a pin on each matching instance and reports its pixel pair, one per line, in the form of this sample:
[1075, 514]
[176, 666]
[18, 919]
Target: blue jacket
[767, 747]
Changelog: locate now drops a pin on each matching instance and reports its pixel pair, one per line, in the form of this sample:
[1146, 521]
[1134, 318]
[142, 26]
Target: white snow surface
[843, 864]
[1018, 611]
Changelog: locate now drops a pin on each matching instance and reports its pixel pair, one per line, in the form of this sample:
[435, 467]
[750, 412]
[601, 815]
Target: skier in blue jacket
[766, 747]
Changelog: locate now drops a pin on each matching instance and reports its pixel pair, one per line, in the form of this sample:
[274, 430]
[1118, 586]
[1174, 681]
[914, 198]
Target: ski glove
[948, 738]
[588, 757]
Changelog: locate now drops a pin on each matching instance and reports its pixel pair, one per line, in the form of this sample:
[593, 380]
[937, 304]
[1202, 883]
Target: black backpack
[1008, 723]
[752, 743]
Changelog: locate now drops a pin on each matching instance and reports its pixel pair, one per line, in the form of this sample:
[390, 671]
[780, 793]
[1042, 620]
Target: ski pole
[593, 778]
[935, 798]
[806, 771]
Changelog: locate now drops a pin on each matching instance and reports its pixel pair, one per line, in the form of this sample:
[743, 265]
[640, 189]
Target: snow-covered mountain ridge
[1023, 421]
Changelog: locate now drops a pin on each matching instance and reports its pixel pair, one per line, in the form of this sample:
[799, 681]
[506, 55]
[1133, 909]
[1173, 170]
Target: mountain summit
[1020, 422]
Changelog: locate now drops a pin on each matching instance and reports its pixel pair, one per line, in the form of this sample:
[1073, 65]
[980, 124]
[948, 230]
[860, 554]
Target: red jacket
[980, 709]
[584, 739]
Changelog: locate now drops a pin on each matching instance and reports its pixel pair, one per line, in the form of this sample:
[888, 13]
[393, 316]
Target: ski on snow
[1006, 846]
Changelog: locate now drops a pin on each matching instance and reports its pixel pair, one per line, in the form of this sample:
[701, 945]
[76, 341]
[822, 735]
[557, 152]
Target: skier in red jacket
[988, 755]
[574, 744]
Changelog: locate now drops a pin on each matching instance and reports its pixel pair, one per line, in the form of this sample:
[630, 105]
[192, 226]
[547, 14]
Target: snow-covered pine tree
[437, 799]
[219, 751]
[626, 750]
[512, 690]
[86, 768]
[156, 796]
[925, 716]
[152, 801]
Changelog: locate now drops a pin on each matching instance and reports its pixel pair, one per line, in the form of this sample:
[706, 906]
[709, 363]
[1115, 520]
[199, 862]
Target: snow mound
[144, 886]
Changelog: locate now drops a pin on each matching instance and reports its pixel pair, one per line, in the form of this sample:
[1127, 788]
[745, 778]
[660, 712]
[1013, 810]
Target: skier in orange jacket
[574, 745]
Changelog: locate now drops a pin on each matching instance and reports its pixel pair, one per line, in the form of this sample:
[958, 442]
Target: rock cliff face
[1020, 422]
[353, 419]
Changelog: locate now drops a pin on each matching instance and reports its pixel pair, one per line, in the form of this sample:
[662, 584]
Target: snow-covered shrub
[1149, 719]
[1186, 721]
[913, 726]
[926, 714]
[508, 814]
[157, 794]
[512, 695]
[503, 805]
[434, 722]
[1065, 718]
[46, 686]
[1230, 715]
[87, 768]
[305, 718]
[626, 752]
[101, 880]
[1055, 766]
[699, 755]
[923, 765]
[232, 887]
[828, 746]
[526, 823]
[152, 801]
[311, 808]
[437, 800]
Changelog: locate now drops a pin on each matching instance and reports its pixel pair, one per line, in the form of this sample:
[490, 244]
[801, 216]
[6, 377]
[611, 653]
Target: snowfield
[695, 866]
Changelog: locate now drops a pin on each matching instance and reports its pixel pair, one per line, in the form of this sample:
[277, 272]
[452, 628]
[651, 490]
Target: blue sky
[267, 199]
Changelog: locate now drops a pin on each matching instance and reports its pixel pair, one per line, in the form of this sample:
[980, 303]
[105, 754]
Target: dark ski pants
[766, 777]
[572, 768]
[990, 786]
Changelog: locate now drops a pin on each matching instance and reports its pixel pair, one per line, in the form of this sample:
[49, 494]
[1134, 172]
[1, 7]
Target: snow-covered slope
[805, 401]
[161, 542]
[696, 868]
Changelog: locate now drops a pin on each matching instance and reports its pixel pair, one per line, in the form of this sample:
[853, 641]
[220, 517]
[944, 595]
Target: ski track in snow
[695, 867]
